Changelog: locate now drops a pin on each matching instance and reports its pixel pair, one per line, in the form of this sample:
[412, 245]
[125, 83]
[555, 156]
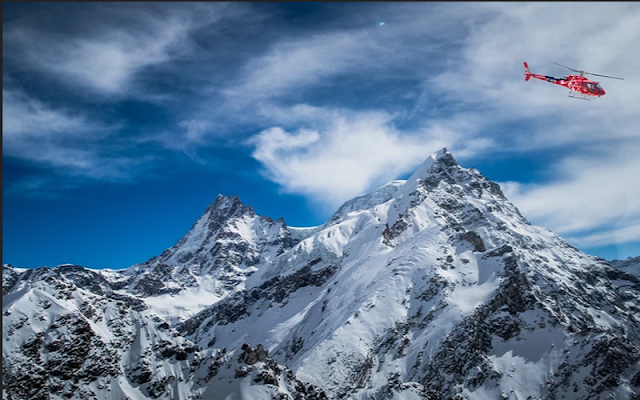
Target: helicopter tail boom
[527, 74]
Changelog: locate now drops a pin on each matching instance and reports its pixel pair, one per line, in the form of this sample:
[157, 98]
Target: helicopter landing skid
[574, 95]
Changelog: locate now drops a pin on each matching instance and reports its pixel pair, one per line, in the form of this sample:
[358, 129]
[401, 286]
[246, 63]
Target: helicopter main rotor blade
[589, 73]
[576, 70]
[604, 76]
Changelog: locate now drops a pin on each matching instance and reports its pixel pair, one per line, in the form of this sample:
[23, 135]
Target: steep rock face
[435, 287]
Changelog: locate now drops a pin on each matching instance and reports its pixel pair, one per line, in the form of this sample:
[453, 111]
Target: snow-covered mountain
[431, 288]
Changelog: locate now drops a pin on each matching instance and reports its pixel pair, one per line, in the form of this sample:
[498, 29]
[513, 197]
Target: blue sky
[123, 121]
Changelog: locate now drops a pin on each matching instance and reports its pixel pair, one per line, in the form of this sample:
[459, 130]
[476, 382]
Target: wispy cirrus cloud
[33, 131]
[352, 50]
[98, 54]
[25, 117]
[60, 139]
[106, 56]
[300, 63]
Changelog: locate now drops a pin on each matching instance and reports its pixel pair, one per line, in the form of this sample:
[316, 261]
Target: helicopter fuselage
[576, 83]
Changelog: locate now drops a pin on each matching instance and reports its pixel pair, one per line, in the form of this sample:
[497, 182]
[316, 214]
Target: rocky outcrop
[276, 290]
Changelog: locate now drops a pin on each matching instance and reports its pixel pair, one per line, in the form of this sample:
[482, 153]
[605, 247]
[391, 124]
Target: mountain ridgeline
[434, 287]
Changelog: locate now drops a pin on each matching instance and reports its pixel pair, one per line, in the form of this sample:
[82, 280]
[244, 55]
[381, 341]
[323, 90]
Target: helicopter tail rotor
[527, 74]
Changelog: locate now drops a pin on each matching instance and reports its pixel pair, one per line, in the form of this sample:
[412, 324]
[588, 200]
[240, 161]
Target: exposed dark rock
[133, 302]
[251, 356]
[474, 239]
[236, 306]
[150, 285]
[81, 357]
[9, 278]
[271, 370]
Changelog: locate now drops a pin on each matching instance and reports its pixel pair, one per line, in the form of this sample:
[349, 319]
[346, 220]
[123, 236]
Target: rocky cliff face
[435, 287]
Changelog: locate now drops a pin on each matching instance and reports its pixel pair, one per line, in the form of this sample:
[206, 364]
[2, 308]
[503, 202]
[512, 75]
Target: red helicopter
[579, 86]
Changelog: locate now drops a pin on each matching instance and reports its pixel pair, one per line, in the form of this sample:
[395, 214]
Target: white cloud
[616, 235]
[595, 198]
[104, 64]
[353, 154]
[33, 131]
[195, 129]
[189, 136]
[306, 63]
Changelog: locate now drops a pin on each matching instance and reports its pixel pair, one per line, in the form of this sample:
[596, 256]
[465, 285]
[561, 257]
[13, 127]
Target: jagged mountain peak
[630, 265]
[441, 156]
[441, 166]
[228, 206]
[443, 193]
[224, 211]
[222, 248]
[63, 275]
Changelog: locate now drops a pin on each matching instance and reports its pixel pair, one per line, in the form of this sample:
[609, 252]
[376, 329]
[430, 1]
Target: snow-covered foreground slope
[68, 336]
[434, 287]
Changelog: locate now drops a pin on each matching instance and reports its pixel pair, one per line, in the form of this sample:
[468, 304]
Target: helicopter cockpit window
[591, 87]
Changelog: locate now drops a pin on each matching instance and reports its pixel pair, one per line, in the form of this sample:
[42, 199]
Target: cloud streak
[61, 140]
[106, 56]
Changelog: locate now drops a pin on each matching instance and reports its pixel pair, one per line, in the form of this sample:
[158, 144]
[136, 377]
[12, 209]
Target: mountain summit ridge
[435, 287]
